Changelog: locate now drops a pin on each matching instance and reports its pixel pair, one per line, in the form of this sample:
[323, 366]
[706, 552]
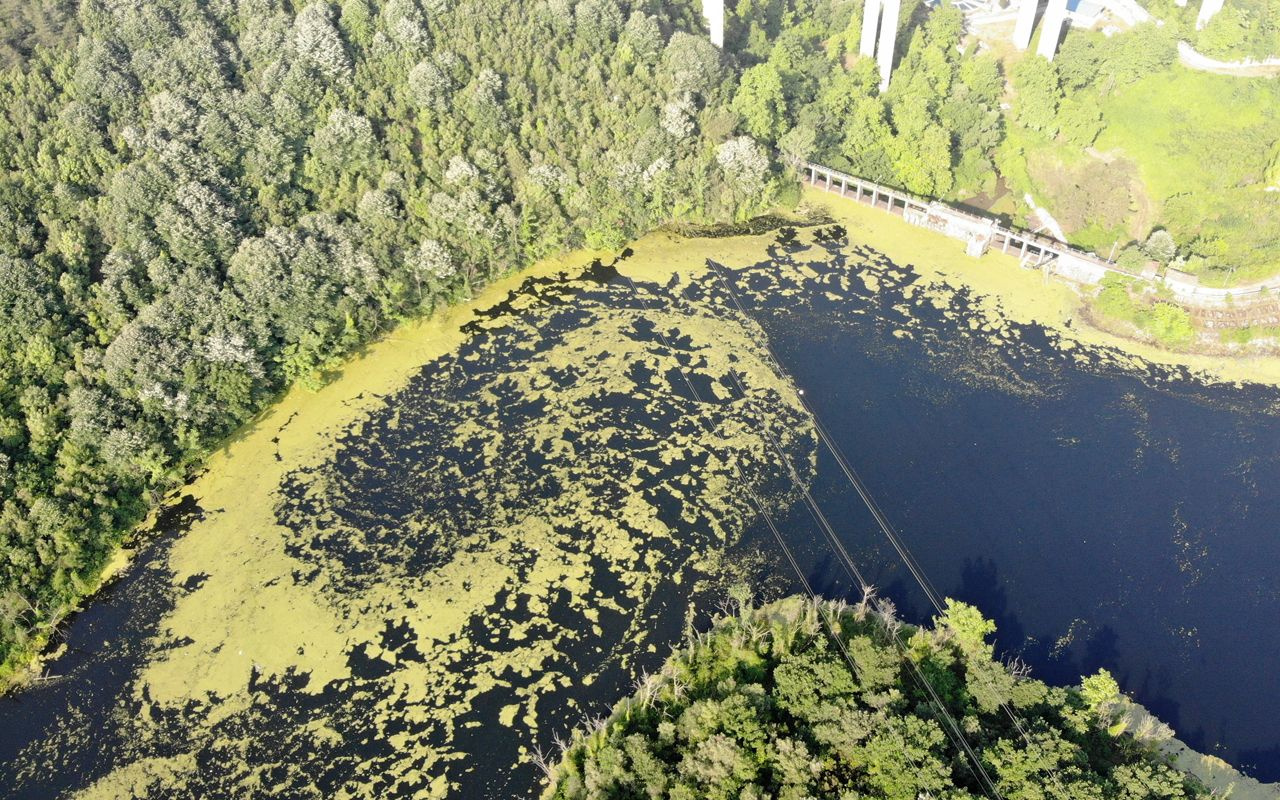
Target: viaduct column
[1208, 9]
[1026, 24]
[713, 11]
[888, 38]
[1054, 16]
[870, 21]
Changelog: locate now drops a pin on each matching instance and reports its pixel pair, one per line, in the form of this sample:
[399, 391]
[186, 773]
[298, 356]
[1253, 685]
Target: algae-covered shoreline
[538, 477]
[384, 365]
[1023, 295]
[996, 280]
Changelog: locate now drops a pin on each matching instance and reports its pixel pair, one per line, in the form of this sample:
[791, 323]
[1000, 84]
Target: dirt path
[1193, 59]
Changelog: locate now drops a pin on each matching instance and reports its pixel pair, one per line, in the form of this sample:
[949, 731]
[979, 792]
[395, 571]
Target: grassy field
[1191, 131]
[1181, 150]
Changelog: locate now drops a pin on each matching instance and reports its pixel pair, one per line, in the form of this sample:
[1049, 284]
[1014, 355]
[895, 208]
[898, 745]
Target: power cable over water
[832, 628]
[868, 500]
[952, 728]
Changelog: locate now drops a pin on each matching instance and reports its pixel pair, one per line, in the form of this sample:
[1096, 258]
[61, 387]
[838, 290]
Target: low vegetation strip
[1248, 67]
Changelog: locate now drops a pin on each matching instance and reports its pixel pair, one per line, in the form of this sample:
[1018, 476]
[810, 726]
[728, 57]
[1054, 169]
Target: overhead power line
[951, 728]
[868, 500]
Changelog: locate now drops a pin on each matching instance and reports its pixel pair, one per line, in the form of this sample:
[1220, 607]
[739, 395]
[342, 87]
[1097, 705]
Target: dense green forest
[804, 91]
[764, 705]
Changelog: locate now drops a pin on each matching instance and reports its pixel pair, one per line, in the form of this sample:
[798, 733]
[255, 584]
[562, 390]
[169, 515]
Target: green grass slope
[1202, 145]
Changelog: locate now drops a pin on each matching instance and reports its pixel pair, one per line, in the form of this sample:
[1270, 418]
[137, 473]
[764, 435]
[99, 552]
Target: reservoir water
[1106, 513]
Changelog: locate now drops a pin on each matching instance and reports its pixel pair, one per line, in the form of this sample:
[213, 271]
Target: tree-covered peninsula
[767, 704]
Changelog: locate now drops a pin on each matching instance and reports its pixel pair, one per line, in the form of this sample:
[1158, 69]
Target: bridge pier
[889, 39]
[870, 24]
[713, 12]
[1051, 32]
[1208, 10]
[1026, 24]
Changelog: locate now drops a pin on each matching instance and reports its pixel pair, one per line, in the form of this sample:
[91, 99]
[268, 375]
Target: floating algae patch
[392, 597]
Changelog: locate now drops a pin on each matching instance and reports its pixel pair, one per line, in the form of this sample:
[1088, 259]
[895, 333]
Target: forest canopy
[766, 705]
[27, 24]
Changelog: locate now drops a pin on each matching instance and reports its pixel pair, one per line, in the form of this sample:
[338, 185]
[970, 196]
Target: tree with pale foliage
[316, 41]
[744, 162]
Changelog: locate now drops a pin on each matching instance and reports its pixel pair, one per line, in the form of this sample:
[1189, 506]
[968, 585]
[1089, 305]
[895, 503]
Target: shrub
[1114, 301]
[1169, 324]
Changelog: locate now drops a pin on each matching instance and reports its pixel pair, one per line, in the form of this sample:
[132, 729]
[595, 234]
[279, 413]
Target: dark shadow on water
[1153, 690]
[980, 586]
[1102, 651]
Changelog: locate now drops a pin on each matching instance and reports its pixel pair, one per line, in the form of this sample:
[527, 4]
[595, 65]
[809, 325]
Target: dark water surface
[1103, 516]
